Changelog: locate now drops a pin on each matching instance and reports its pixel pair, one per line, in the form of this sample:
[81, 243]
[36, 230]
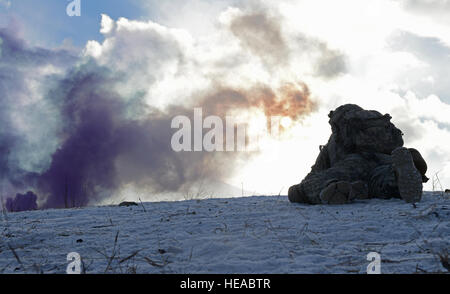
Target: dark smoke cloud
[434, 53]
[263, 36]
[328, 63]
[331, 64]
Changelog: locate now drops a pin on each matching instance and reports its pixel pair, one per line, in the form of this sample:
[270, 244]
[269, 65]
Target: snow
[236, 235]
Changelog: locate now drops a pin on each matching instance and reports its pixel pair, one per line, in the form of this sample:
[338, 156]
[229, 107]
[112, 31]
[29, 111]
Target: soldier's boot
[309, 189]
[409, 179]
[296, 195]
[420, 163]
[343, 192]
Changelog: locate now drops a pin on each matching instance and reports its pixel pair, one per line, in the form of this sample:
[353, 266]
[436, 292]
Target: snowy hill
[238, 235]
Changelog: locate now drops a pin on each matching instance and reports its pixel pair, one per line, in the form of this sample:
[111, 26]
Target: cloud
[261, 34]
[199, 17]
[434, 54]
[107, 24]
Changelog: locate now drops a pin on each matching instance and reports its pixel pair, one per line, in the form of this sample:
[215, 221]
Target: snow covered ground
[239, 235]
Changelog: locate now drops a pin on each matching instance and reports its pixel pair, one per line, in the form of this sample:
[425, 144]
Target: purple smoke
[101, 141]
[22, 202]
[104, 140]
[104, 147]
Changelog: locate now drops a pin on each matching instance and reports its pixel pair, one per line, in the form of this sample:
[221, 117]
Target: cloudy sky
[148, 61]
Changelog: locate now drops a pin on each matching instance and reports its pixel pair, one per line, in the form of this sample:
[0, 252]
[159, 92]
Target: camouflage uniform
[356, 162]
